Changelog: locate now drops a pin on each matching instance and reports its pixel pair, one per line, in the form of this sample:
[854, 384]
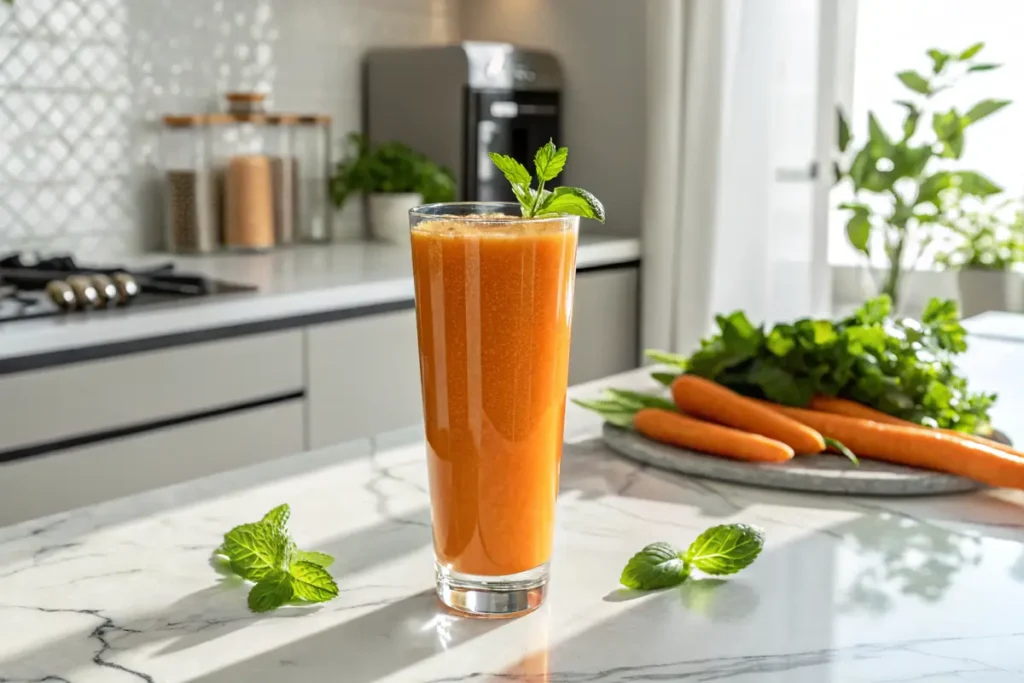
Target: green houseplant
[983, 246]
[393, 178]
[898, 180]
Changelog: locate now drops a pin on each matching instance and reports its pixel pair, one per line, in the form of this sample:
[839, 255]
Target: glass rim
[423, 211]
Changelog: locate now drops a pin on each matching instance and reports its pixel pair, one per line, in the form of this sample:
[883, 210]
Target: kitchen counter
[295, 286]
[847, 590]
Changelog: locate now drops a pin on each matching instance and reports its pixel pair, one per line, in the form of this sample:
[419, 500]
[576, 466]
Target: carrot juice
[493, 308]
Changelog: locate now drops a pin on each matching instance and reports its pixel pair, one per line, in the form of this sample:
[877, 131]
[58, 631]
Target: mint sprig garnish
[263, 552]
[721, 550]
[549, 163]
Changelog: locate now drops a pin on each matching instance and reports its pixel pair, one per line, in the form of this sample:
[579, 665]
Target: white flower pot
[990, 290]
[389, 215]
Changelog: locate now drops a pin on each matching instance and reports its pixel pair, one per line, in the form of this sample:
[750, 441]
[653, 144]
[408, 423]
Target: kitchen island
[847, 590]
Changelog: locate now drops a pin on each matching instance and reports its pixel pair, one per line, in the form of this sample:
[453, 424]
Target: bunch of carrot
[714, 419]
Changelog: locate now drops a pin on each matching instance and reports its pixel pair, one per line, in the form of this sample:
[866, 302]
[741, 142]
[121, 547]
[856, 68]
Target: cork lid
[184, 120]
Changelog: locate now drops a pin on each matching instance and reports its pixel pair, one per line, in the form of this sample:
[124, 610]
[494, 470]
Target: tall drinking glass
[493, 311]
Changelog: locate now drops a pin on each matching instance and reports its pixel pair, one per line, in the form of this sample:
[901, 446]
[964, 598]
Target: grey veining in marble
[846, 591]
[825, 473]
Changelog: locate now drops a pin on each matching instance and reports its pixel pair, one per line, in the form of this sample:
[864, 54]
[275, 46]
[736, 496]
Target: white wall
[601, 45]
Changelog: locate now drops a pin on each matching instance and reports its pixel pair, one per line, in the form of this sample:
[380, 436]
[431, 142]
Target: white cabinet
[70, 401]
[605, 324]
[363, 377]
[62, 480]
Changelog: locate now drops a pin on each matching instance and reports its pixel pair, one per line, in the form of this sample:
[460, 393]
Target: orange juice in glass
[494, 294]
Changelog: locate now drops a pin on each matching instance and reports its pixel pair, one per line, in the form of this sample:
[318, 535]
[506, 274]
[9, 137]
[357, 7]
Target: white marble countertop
[296, 282]
[846, 591]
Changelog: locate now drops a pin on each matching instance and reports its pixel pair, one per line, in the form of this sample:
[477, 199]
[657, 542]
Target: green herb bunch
[988, 238]
[902, 367]
[263, 552]
[548, 162]
[389, 167]
[905, 175]
[720, 550]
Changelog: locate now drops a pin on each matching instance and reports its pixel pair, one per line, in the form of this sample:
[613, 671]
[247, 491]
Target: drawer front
[43, 485]
[605, 320]
[52, 404]
[364, 377]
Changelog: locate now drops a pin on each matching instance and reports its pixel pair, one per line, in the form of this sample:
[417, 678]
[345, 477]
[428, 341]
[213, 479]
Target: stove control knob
[61, 294]
[85, 293]
[127, 288]
[106, 288]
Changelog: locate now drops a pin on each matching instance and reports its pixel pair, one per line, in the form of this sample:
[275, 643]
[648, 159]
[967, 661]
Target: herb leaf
[278, 517]
[841, 447]
[312, 582]
[574, 201]
[549, 161]
[725, 549]
[256, 550]
[321, 559]
[274, 590]
[659, 565]
[514, 171]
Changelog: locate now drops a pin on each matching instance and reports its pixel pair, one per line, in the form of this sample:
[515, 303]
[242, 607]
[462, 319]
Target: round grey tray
[825, 473]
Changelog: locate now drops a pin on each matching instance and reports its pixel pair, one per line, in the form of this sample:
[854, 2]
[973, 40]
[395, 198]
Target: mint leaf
[550, 161]
[665, 378]
[574, 201]
[666, 358]
[278, 516]
[514, 171]
[659, 565]
[725, 549]
[610, 411]
[255, 550]
[321, 559]
[274, 590]
[312, 582]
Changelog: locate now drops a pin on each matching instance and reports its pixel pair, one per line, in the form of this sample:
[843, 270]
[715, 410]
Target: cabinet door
[42, 485]
[605, 323]
[363, 377]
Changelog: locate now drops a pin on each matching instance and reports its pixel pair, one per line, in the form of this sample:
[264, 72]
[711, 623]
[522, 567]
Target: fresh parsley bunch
[902, 367]
[721, 550]
[548, 162]
[263, 552]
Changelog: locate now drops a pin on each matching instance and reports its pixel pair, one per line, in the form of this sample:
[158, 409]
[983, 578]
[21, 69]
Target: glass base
[491, 596]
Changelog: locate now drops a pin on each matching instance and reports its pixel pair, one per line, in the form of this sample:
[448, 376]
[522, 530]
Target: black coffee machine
[457, 103]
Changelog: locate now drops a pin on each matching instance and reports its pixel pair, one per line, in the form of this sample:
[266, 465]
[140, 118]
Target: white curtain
[741, 99]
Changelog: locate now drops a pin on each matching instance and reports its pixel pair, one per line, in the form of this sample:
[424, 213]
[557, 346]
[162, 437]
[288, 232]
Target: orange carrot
[842, 406]
[915, 446]
[711, 401]
[675, 429]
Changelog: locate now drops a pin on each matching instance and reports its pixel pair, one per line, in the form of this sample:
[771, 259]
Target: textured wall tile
[83, 85]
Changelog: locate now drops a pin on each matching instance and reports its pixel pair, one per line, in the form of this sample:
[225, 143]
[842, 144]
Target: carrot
[842, 406]
[711, 401]
[674, 429]
[915, 446]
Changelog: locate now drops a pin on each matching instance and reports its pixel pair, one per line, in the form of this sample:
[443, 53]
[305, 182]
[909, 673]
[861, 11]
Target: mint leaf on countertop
[278, 517]
[255, 550]
[312, 582]
[725, 549]
[659, 565]
[263, 552]
[320, 559]
[274, 590]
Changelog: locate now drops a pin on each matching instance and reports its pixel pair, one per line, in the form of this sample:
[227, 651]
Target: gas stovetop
[41, 287]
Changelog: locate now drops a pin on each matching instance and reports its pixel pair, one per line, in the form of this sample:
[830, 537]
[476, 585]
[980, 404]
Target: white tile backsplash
[83, 84]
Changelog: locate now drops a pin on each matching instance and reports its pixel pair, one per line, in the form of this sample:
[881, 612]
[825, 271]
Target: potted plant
[983, 248]
[898, 180]
[393, 178]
